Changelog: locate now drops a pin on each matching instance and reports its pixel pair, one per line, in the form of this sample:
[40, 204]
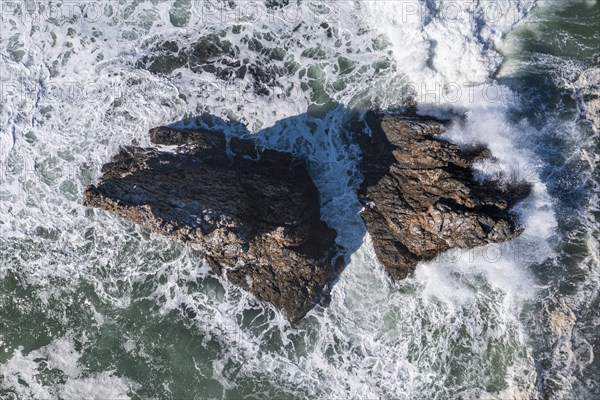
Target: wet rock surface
[420, 196]
[255, 213]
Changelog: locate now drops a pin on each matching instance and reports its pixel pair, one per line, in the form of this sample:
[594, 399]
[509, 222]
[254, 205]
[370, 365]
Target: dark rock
[257, 218]
[255, 213]
[420, 195]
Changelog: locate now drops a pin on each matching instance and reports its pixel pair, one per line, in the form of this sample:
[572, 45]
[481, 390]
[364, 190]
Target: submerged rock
[211, 55]
[421, 197]
[255, 213]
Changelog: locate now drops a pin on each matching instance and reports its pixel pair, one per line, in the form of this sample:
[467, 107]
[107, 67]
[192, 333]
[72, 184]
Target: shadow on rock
[255, 204]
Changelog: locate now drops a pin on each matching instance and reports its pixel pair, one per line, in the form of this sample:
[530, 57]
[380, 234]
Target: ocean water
[94, 307]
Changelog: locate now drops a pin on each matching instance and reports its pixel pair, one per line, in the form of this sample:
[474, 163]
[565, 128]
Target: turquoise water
[92, 306]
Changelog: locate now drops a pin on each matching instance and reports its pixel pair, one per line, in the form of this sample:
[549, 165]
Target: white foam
[99, 386]
[21, 375]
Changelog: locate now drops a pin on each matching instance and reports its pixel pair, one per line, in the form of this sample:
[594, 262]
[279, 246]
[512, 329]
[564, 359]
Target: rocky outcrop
[420, 196]
[255, 213]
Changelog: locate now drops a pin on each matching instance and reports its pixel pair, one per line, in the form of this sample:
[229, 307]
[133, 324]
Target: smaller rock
[421, 197]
